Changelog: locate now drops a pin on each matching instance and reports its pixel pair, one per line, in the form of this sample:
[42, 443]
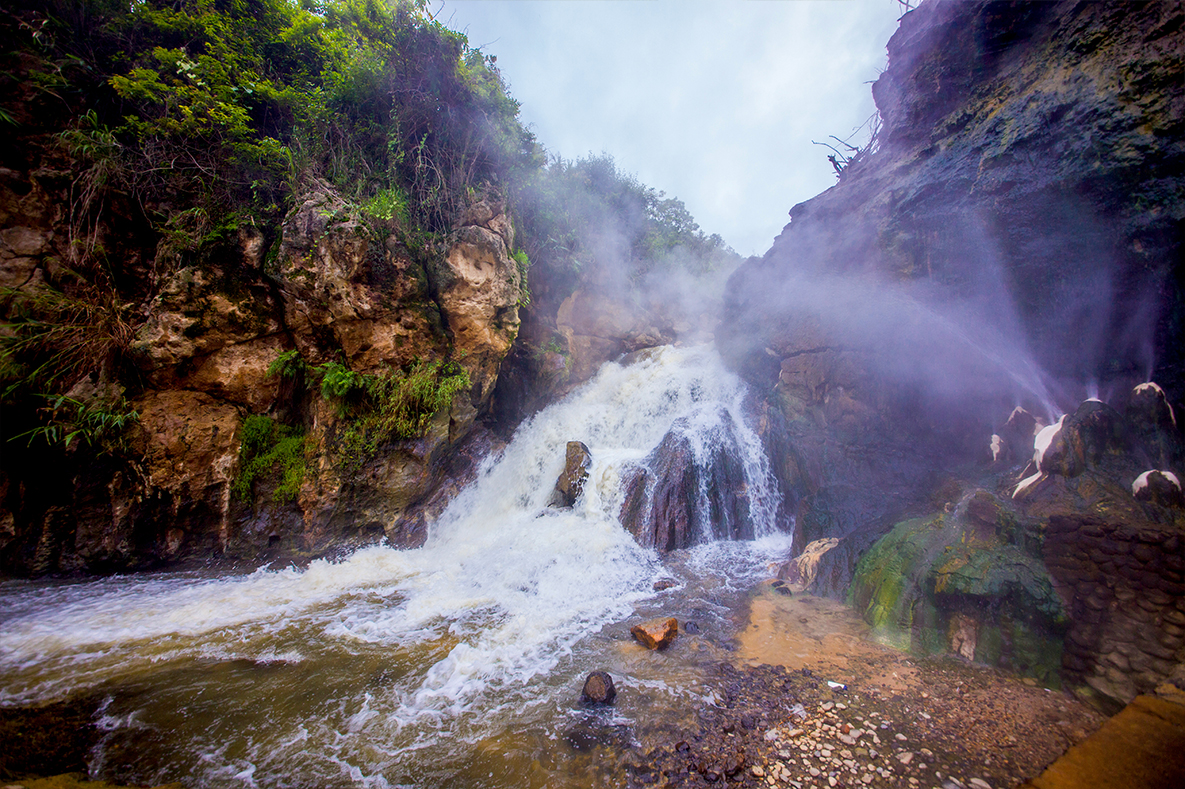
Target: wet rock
[657, 633]
[665, 583]
[570, 483]
[1085, 439]
[799, 573]
[680, 497]
[1158, 487]
[598, 688]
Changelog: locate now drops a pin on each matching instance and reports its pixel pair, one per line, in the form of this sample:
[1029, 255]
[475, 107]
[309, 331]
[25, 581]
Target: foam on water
[502, 592]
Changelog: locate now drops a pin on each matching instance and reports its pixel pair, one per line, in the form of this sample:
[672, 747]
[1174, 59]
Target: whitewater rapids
[426, 667]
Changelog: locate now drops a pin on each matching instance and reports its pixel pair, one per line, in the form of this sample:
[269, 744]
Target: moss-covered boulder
[961, 582]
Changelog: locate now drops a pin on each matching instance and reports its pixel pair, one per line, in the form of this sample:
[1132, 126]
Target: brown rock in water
[657, 633]
[571, 481]
[598, 688]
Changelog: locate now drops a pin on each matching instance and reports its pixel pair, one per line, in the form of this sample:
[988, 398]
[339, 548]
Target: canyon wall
[1011, 236]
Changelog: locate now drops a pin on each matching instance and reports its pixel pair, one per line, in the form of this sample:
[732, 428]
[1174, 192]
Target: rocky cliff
[332, 291]
[1011, 235]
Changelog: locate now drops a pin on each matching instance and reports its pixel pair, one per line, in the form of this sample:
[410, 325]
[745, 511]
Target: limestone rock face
[599, 327]
[371, 297]
[479, 293]
[328, 283]
[190, 453]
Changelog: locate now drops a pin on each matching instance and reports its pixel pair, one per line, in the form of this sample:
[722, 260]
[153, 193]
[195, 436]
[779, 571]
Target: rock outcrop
[570, 484]
[690, 489]
[1011, 235]
[329, 285]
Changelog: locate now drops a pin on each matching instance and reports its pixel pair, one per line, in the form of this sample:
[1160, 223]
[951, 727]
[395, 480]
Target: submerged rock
[598, 688]
[570, 483]
[657, 633]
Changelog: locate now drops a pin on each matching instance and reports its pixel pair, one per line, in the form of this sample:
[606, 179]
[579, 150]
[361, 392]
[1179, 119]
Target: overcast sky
[712, 101]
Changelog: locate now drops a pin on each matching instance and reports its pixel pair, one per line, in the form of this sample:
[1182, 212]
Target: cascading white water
[391, 667]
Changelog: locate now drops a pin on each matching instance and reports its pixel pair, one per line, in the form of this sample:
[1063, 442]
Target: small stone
[598, 688]
[665, 583]
[839, 705]
[905, 758]
[757, 770]
[814, 771]
[827, 706]
[979, 783]
[901, 737]
[866, 778]
[831, 780]
[657, 633]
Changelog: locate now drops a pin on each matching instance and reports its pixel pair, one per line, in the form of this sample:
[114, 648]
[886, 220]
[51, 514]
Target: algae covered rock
[955, 583]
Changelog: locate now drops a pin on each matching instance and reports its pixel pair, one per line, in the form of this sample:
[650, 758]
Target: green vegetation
[100, 425]
[913, 582]
[265, 448]
[590, 213]
[171, 126]
[380, 407]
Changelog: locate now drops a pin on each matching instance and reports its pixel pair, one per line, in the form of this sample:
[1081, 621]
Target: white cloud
[713, 101]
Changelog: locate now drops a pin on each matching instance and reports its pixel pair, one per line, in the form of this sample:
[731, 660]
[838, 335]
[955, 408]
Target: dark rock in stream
[48, 740]
[598, 688]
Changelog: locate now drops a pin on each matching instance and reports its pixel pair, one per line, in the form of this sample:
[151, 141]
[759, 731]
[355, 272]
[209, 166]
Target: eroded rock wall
[1013, 234]
[328, 283]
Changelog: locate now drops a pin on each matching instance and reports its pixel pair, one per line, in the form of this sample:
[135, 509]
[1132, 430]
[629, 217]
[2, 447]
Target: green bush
[267, 447]
[100, 425]
[398, 405]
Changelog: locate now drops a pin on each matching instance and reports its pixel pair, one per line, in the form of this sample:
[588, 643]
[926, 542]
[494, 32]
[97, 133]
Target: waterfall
[351, 669]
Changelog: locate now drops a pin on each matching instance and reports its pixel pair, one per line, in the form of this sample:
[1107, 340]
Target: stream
[458, 664]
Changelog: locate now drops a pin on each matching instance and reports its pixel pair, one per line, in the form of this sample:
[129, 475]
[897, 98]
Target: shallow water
[456, 664]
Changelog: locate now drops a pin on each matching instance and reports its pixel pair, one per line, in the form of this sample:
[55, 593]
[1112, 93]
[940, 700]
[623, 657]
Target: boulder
[799, 573]
[598, 688]
[657, 633]
[570, 483]
[679, 497]
[1158, 487]
[1156, 436]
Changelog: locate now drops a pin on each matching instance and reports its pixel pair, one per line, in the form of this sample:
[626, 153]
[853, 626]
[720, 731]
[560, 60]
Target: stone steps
[1142, 747]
